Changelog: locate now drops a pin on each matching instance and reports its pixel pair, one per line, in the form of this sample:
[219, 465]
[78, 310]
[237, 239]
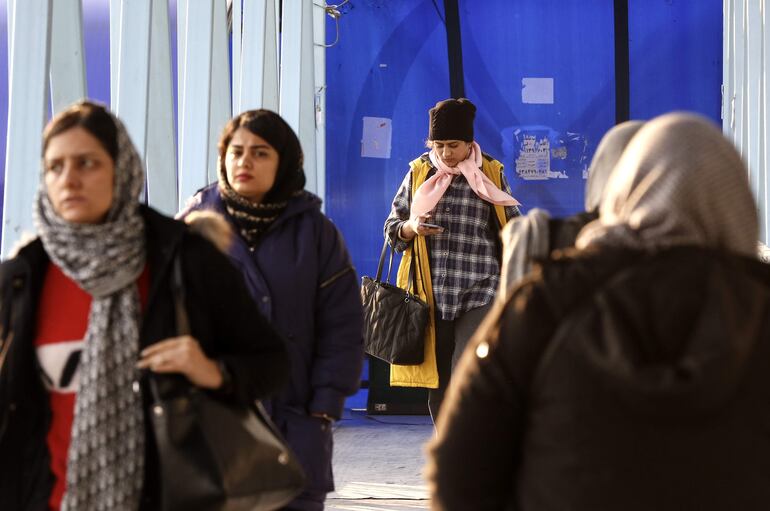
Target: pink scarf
[427, 196]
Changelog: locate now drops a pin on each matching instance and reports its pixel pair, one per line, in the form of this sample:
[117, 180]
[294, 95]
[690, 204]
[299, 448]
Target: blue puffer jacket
[303, 280]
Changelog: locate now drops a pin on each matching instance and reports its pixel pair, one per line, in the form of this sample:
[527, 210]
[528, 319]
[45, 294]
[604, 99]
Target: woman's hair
[92, 117]
[268, 125]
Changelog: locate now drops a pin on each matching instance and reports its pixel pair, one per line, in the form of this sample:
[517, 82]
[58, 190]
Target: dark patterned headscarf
[105, 462]
[254, 218]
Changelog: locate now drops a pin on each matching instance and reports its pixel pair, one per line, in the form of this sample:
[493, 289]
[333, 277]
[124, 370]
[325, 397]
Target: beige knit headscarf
[607, 155]
[679, 182]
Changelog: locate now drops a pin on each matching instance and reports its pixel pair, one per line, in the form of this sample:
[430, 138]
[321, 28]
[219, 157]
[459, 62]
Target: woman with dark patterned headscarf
[631, 373]
[298, 270]
[87, 306]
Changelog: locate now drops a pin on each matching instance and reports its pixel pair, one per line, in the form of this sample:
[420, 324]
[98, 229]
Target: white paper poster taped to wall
[376, 138]
[537, 91]
[539, 152]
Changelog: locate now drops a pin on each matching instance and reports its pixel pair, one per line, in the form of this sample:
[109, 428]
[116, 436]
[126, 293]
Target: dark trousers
[451, 339]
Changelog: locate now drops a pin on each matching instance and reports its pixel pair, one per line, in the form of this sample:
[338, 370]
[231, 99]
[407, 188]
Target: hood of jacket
[209, 198]
[669, 332]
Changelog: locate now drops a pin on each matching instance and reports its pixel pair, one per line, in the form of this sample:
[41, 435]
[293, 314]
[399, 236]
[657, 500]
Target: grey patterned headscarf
[105, 465]
[679, 182]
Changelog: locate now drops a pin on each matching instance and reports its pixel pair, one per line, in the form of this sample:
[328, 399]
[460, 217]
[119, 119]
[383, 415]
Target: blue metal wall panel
[390, 63]
[675, 48]
[545, 147]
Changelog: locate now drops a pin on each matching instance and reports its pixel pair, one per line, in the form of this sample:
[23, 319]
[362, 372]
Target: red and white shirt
[62, 321]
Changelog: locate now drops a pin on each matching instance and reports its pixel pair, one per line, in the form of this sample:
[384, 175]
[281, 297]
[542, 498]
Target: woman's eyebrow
[91, 154]
[255, 146]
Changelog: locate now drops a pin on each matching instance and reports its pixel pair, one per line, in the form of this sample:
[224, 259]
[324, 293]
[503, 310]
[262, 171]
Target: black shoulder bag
[216, 455]
[394, 319]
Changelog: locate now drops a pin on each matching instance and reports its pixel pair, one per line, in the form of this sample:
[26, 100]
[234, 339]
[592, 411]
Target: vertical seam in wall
[622, 65]
[454, 49]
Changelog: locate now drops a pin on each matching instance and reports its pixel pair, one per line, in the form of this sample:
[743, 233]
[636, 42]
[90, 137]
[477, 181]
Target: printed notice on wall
[534, 161]
[537, 91]
[541, 153]
[376, 138]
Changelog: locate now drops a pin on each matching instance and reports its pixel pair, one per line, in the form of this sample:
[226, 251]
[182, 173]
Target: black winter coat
[615, 380]
[223, 318]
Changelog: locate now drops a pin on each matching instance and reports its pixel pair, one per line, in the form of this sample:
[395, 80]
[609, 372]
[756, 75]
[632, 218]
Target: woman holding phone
[446, 216]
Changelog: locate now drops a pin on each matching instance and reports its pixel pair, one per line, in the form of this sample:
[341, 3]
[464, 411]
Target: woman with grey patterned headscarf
[87, 306]
[632, 373]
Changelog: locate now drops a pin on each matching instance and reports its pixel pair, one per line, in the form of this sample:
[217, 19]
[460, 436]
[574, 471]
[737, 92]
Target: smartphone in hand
[431, 226]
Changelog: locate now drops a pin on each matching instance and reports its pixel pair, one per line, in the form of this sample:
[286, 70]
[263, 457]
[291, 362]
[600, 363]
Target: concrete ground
[378, 463]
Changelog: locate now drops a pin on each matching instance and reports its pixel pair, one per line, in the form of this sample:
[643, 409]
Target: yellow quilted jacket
[426, 374]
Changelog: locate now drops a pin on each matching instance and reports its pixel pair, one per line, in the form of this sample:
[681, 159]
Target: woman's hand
[416, 227]
[182, 355]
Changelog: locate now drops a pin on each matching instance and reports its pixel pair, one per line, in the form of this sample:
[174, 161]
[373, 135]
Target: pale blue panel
[763, 196]
[220, 84]
[255, 74]
[27, 110]
[296, 98]
[754, 88]
[727, 67]
[196, 93]
[161, 139]
[319, 97]
[181, 49]
[134, 69]
[236, 46]
[68, 71]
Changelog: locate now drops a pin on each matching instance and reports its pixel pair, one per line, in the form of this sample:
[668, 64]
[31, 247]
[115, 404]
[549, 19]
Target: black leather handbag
[394, 319]
[214, 454]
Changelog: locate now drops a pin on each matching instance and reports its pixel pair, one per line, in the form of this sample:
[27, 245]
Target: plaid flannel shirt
[464, 264]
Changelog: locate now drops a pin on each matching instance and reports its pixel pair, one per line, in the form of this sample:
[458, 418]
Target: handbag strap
[385, 246]
[178, 290]
[412, 280]
[180, 313]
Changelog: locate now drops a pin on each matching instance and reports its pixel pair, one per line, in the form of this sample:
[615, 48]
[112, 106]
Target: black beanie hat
[452, 119]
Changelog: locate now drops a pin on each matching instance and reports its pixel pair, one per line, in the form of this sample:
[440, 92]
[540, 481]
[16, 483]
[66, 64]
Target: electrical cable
[334, 12]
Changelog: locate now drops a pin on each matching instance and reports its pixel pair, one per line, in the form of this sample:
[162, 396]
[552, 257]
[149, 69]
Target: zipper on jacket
[336, 276]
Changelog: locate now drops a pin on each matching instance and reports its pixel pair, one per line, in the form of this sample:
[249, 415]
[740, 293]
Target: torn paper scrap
[537, 91]
[376, 138]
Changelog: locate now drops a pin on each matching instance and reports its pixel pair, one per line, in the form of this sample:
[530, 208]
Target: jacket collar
[209, 198]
